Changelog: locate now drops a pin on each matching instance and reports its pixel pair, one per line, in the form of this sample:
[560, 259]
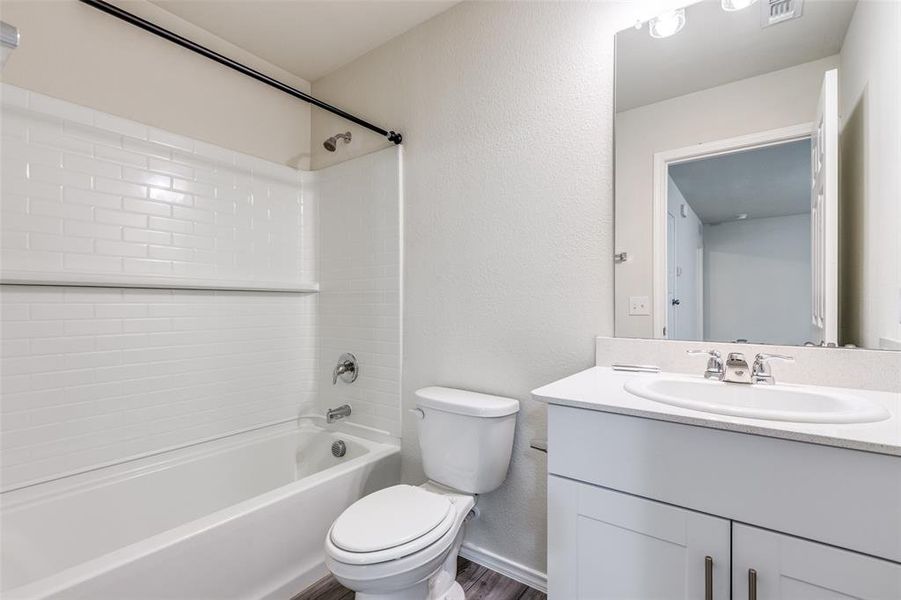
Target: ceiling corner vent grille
[778, 11]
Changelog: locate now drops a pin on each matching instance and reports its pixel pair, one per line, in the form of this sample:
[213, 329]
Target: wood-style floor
[479, 583]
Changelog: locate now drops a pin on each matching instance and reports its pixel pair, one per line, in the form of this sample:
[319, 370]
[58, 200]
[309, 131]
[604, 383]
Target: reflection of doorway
[735, 254]
[760, 275]
[750, 213]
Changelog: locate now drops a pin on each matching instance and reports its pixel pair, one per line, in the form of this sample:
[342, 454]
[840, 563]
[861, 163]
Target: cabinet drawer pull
[708, 578]
[752, 584]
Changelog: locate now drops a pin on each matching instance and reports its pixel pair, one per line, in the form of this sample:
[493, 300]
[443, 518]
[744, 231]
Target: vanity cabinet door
[782, 567]
[609, 545]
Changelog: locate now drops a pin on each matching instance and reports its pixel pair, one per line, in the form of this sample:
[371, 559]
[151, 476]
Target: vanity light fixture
[666, 24]
[733, 5]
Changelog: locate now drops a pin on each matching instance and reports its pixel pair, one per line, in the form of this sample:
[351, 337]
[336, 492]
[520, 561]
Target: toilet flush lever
[418, 412]
[540, 445]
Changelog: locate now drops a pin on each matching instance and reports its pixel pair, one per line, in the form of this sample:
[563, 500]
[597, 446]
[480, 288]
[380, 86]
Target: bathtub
[242, 517]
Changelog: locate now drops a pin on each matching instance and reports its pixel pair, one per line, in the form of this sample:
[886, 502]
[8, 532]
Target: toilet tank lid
[464, 402]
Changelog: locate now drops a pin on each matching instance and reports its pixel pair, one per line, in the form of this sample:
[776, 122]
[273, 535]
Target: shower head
[332, 143]
[9, 40]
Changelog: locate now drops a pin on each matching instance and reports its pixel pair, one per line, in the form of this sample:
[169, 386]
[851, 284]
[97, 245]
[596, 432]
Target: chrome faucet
[347, 369]
[714, 363]
[333, 414]
[735, 369]
[761, 371]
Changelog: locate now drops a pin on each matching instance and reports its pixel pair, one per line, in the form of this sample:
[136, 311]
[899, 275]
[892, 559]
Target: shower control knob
[347, 369]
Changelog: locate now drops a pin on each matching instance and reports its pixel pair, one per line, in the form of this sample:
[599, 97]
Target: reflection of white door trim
[824, 213]
[662, 161]
[699, 281]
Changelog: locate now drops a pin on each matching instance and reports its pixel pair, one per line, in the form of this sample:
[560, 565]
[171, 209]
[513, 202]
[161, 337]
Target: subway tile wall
[94, 376]
[360, 282]
[86, 194]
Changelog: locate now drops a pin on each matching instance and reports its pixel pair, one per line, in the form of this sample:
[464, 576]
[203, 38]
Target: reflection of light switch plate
[639, 305]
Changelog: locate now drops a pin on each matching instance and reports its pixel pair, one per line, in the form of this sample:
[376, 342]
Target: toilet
[401, 543]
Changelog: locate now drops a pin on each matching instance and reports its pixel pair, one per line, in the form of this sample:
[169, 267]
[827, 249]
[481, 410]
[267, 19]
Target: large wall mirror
[758, 174]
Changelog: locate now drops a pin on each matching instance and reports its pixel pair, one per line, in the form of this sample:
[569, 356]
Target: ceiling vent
[777, 11]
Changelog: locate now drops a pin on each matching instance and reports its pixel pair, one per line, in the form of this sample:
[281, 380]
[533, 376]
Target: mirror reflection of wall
[756, 178]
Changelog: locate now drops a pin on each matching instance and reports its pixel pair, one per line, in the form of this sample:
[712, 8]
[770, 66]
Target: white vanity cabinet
[774, 566]
[605, 544]
[642, 509]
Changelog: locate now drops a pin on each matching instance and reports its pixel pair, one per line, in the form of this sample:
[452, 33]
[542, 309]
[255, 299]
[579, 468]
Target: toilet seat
[390, 524]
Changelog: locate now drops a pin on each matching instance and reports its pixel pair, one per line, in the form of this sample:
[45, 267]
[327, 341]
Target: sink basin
[771, 402]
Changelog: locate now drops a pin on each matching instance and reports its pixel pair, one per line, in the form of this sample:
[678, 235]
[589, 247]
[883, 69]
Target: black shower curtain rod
[232, 64]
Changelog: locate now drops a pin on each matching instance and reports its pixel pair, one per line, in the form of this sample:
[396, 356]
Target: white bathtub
[243, 517]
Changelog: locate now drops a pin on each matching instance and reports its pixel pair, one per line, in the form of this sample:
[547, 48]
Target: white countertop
[601, 389]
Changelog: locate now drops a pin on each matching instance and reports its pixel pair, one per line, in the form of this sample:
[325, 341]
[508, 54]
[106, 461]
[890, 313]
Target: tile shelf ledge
[154, 283]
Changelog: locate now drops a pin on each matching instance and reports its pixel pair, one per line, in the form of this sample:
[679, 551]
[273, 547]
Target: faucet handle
[715, 368]
[763, 357]
[761, 371]
[347, 369]
[713, 353]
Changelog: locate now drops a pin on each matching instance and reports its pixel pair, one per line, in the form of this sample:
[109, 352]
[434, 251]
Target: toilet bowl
[402, 542]
[400, 558]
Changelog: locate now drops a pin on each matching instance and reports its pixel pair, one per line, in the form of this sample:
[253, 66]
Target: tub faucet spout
[333, 414]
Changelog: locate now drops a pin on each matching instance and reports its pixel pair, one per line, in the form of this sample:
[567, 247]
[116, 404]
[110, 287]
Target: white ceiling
[716, 47]
[767, 182]
[308, 38]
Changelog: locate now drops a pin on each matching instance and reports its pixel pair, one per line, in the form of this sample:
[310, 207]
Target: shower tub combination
[241, 517]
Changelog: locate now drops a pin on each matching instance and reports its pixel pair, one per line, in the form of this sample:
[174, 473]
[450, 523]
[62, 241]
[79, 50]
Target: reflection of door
[672, 294]
[824, 213]
[683, 268]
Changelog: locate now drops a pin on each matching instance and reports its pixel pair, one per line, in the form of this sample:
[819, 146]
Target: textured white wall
[870, 94]
[359, 301]
[507, 113]
[778, 99]
[741, 258]
[93, 376]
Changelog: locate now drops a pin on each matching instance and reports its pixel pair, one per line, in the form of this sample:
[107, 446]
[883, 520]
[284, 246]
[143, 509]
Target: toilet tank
[465, 438]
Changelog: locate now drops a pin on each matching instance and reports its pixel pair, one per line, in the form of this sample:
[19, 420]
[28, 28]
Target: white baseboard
[505, 566]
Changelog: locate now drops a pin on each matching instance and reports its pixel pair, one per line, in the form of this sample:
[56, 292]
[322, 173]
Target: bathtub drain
[339, 448]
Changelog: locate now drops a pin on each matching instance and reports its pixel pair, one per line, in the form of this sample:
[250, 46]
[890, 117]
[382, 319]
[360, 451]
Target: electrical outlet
[639, 305]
